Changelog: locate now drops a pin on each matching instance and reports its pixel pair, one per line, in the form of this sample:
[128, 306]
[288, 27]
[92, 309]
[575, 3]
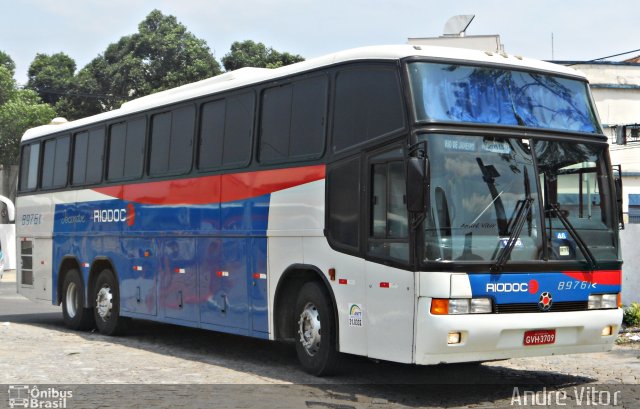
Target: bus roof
[249, 76]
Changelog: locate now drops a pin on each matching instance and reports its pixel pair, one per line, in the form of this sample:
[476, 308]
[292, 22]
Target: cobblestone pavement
[168, 366]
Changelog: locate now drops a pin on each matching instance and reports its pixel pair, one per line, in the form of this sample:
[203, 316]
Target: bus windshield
[490, 95]
[482, 188]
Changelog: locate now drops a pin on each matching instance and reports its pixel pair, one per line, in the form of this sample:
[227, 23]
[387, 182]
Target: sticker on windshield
[496, 147]
[459, 145]
[504, 241]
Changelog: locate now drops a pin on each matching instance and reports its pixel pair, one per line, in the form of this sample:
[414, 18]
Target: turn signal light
[439, 306]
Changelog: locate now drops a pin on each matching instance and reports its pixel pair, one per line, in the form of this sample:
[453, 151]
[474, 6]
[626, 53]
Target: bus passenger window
[29, 167]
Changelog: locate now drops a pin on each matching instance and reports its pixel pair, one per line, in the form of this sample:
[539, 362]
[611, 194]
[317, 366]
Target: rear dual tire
[74, 315]
[106, 298]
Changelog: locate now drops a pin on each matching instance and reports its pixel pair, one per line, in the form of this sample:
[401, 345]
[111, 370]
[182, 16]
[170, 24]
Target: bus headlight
[457, 306]
[603, 301]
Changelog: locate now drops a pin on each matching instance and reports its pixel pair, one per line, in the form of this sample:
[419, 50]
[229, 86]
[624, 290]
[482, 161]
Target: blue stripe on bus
[188, 264]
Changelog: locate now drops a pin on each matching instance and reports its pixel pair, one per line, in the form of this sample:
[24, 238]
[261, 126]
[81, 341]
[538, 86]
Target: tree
[7, 62]
[23, 109]
[251, 54]
[7, 85]
[51, 75]
[161, 55]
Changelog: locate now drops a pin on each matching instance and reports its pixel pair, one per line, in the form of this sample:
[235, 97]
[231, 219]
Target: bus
[421, 205]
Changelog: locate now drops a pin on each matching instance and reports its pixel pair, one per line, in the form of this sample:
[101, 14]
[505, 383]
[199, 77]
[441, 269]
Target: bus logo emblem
[545, 302]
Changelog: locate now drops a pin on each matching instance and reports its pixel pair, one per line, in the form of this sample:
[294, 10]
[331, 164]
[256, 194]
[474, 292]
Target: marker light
[607, 331]
[603, 301]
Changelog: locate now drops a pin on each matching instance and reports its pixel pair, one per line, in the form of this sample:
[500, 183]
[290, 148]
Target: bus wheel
[74, 314]
[315, 330]
[107, 305]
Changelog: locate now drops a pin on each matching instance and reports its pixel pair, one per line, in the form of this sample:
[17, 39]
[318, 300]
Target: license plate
[540, 337]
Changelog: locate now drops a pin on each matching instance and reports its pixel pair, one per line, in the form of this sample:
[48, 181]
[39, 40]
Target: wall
[631, 268]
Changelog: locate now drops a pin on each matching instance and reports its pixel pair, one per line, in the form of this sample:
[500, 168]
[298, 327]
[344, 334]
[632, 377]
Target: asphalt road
[159, 365]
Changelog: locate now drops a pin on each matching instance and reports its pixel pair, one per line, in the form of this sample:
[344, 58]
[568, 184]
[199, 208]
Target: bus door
[389, 308]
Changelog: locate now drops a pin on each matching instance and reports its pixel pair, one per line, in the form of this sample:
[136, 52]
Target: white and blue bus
[412, 204]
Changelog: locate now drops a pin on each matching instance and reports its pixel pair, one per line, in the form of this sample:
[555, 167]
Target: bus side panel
[258, 290]
[390, 312]
[349, 289]
[138, 275]
[223, 282]
[35, 223]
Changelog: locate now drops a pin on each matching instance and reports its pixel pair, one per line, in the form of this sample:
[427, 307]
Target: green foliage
[631, 316]
[252, 54]
[19, 111]
[161, 55]
[51, 75]
[7, 85]
[7, 62]
[25, 110]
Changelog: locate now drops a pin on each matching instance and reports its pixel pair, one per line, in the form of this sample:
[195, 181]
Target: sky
[582, 30]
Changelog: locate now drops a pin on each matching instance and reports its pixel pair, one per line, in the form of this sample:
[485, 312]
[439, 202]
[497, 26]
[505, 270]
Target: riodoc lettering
[110, 216]
[507, 287]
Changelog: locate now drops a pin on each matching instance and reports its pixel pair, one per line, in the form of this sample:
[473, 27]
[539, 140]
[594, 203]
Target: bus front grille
[531, 307]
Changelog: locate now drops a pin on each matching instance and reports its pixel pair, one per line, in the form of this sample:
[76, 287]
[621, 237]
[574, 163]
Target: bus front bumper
[485, 337]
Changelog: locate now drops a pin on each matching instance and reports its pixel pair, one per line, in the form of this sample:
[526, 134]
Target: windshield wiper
[572, 231]
[518, 224]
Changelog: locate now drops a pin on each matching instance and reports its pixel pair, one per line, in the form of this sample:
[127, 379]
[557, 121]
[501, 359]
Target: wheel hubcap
[71, 300]
[104, 303]
[309, 329]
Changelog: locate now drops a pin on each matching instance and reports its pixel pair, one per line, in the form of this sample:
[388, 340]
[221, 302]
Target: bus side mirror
[417, 169]
[617, 181]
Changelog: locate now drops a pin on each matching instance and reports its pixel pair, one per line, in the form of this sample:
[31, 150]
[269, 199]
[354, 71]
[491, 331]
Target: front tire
[106, 298]
[315, 330]
[74, 315]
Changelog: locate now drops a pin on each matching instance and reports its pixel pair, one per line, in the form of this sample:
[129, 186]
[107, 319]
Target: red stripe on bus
[604, 277]
[215, 189]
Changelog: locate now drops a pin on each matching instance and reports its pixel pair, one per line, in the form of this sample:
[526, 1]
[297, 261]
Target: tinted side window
[160, 143]
[172, 141]
[134, 152]
[29, 167]
[61, 166]
[47, 163]
[225, 132]
[117, 143]
[275, 124]
[308, 117]
[182, 129]
[126, 149]
[95, 156]
[56, 163]
[80, 146]
[238, 130]
[292, 123]
[368, 104]
[343, 181]
[211, 135]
